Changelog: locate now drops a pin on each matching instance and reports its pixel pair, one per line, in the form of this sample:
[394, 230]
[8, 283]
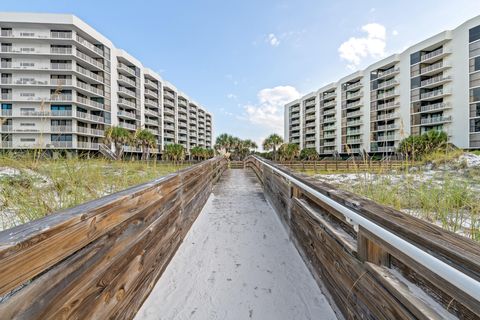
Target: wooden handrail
[101, 259]
[368, 274]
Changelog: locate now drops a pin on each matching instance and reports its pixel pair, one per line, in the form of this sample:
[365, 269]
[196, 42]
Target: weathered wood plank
[101, 260]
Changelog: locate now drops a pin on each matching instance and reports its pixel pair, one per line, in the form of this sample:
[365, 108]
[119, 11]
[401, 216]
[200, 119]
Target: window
[415, 82]
[27, 94]
[61, 122]
[474, 34]
[475, 125]
[27, 139]
[6, 106]
[477, 64]
[415, 58]
[27, 124]
[61, 137]
[60, 107]
[474, 94]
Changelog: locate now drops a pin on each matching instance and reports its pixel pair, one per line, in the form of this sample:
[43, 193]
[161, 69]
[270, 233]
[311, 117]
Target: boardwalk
[236, 263]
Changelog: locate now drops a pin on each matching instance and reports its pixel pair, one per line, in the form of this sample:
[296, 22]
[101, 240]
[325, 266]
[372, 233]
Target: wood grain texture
[100, 260]
[354, 264]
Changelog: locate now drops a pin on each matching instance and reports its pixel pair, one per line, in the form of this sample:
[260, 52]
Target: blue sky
[244, 59]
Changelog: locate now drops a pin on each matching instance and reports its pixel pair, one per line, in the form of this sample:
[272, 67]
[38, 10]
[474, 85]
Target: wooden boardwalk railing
[376, 262]
[346, 165]
[100, 260]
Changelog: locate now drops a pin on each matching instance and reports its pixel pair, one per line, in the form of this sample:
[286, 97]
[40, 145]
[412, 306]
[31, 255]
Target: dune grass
[31, 188]
[448, 195]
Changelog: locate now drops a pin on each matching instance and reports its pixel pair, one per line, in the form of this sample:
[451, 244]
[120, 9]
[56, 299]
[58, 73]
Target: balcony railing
[387, 105]
[61, 66]
[432, 120]
[127, 91]
[62, 144]
[89, 74]
[91, 103]
[392, 126]
[434, 107]
[126, 102]
[432, 94]
[128, 69]
[61, 35]
[89, 116]
[126, 114]
[354, 114]
[61, 50]
[432, 54]
[61, 129]
[388, 116]
[329, 95]
[126, 80]
[88, 59]
[434, 80]
[388, 72]
[87, 145]
[127, 125]
[89, 45]
[433, 67]
[387, 83]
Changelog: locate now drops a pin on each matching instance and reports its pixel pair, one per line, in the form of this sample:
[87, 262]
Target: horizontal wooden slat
[341, 255]
[101, 259]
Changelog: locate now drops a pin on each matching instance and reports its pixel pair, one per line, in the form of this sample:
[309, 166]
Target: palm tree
[119, 137]
[309, 154]
[273, 141]
[223, 143]
[196, 152]
[174, 152]
[146, 140]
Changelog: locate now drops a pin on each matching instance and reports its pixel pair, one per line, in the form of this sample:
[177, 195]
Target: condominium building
[433, 85]
[63, 83]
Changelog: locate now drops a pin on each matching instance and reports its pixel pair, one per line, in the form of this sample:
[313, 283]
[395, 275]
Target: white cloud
[395, 32]
[268, 112]
[273, 40]
[231, 96]
[372, 45]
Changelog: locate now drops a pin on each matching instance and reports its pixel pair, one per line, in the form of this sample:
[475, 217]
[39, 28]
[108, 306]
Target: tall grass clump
[32, 188]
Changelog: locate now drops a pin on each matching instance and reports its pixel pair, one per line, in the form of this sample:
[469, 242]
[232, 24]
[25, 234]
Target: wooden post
[369, 251]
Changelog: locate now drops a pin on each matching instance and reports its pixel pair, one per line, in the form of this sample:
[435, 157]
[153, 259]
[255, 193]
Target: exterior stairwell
[107, 152]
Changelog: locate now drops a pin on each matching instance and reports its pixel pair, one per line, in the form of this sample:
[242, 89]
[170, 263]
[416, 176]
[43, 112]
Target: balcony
[388, 137]
[435, 120]
[125, 114]
[151, 122]
[151, 93]
[90, 131]
[61, 35]
[329, 95]
[434, 81]
[311, 117]
[386, 95]
[433, 68]
[353, 86]
[330, 104]
[87, 44]
[87, 145]
[354, 95]
[6, 96]
[310, 103]
[61, 66]
[385, 149]
[434, 54]
[387, 116]
[90, 103]
[433, 94]
[89, 74]
[6, 113]
[7, 128]
[89, 116]
[168, 94]
[126, 80]
[329, 112]
[61, 129]
[328, 135]
[151, 103]
[354, 114]
[151, 83]
[62, 144]
[89, 88]
[61, 50]
[126, 103]
[151, 112]
[392, 126]
[126, 125]
[129, 93]
[434, 107]
[353, 104]
[388, 105]
[353, 132]
[386, 84]
[82, 56]
[354, 141]
[127, 69]
[386, 73]
[354, 123]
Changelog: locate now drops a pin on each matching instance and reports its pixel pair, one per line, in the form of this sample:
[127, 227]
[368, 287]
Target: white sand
[236, 263]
